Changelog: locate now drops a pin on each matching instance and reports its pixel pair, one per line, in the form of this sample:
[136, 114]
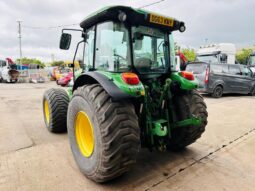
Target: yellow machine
[66, 69]
[76, 64]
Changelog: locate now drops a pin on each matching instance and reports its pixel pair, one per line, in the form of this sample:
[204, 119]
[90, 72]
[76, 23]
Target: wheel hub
[47, 111]
[84, 134]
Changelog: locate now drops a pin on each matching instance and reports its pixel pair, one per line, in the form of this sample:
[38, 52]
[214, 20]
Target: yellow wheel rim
[84, 134]
[47, 111]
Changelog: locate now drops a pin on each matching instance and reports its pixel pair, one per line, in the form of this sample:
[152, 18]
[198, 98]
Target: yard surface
[31, 158]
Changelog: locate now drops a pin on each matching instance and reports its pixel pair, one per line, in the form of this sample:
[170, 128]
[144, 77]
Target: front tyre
[55, 104]
[190, 103]
[104, 135]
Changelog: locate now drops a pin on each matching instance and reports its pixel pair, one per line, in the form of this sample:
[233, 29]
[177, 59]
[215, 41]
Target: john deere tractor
[128, 96]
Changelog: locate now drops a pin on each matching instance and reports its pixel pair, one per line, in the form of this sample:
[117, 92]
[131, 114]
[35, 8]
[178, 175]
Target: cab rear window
[196, 68]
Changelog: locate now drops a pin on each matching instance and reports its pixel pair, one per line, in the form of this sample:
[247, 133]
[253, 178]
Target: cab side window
[89, 49]
[112, 51]
[223, 58]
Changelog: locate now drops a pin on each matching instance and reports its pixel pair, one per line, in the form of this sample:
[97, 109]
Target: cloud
[215, 20]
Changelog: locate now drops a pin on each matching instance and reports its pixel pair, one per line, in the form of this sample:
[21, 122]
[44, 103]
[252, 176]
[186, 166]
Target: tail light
[130, 78]
[207, 75]
[187, 75]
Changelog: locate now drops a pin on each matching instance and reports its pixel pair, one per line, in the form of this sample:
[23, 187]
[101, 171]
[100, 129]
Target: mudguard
[106, 83]
[184, 83]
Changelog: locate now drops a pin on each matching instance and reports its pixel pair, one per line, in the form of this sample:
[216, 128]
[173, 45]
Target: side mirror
[223, 58]
[65, 41]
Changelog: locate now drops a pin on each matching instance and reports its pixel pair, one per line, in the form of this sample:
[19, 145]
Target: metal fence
[33, 75]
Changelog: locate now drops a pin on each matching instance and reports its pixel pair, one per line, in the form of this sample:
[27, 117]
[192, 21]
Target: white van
[222, 53]
[8, 73]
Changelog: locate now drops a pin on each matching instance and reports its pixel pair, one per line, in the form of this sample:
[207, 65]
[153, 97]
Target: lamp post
[19, 36]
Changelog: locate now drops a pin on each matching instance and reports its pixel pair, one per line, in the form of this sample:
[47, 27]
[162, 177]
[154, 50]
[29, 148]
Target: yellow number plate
[161, 20]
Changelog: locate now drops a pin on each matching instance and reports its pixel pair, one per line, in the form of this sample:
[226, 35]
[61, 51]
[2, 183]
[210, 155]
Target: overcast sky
[216, 20]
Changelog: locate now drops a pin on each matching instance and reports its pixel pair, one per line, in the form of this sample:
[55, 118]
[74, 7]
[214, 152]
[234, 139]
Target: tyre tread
[192, 102]
[119, 129]
[58, 102]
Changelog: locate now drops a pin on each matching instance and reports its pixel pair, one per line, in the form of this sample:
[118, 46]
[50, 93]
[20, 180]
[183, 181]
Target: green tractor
[128, 96]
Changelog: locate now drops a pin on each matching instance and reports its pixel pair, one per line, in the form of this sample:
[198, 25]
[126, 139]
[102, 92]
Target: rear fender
[106, 83]
[184, 83]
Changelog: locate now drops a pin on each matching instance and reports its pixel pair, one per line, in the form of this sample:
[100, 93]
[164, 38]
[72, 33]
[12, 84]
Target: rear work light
[187, 75]
[130, 78]
[207, 75]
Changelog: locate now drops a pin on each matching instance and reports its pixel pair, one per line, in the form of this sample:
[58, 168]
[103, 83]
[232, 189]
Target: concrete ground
[31, 158]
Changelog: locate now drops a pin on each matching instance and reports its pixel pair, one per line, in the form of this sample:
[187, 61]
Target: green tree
[57, 63]
[30, 61]
[190, 54]
[243, 55]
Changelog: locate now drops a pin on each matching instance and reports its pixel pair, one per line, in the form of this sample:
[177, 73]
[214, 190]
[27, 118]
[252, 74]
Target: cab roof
[133, 17]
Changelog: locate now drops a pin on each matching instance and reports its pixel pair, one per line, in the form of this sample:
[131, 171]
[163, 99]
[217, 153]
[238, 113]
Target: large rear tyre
[55, 105]
[191, 103]
[104, 135]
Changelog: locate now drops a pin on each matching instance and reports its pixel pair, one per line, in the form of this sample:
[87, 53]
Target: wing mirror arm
[77, 46]
[65, 42]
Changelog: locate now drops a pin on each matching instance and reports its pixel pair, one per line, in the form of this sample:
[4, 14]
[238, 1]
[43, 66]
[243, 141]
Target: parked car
[218, 79]
[65, 79]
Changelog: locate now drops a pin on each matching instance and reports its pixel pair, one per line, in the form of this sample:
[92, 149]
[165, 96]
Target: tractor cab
[122, 39]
